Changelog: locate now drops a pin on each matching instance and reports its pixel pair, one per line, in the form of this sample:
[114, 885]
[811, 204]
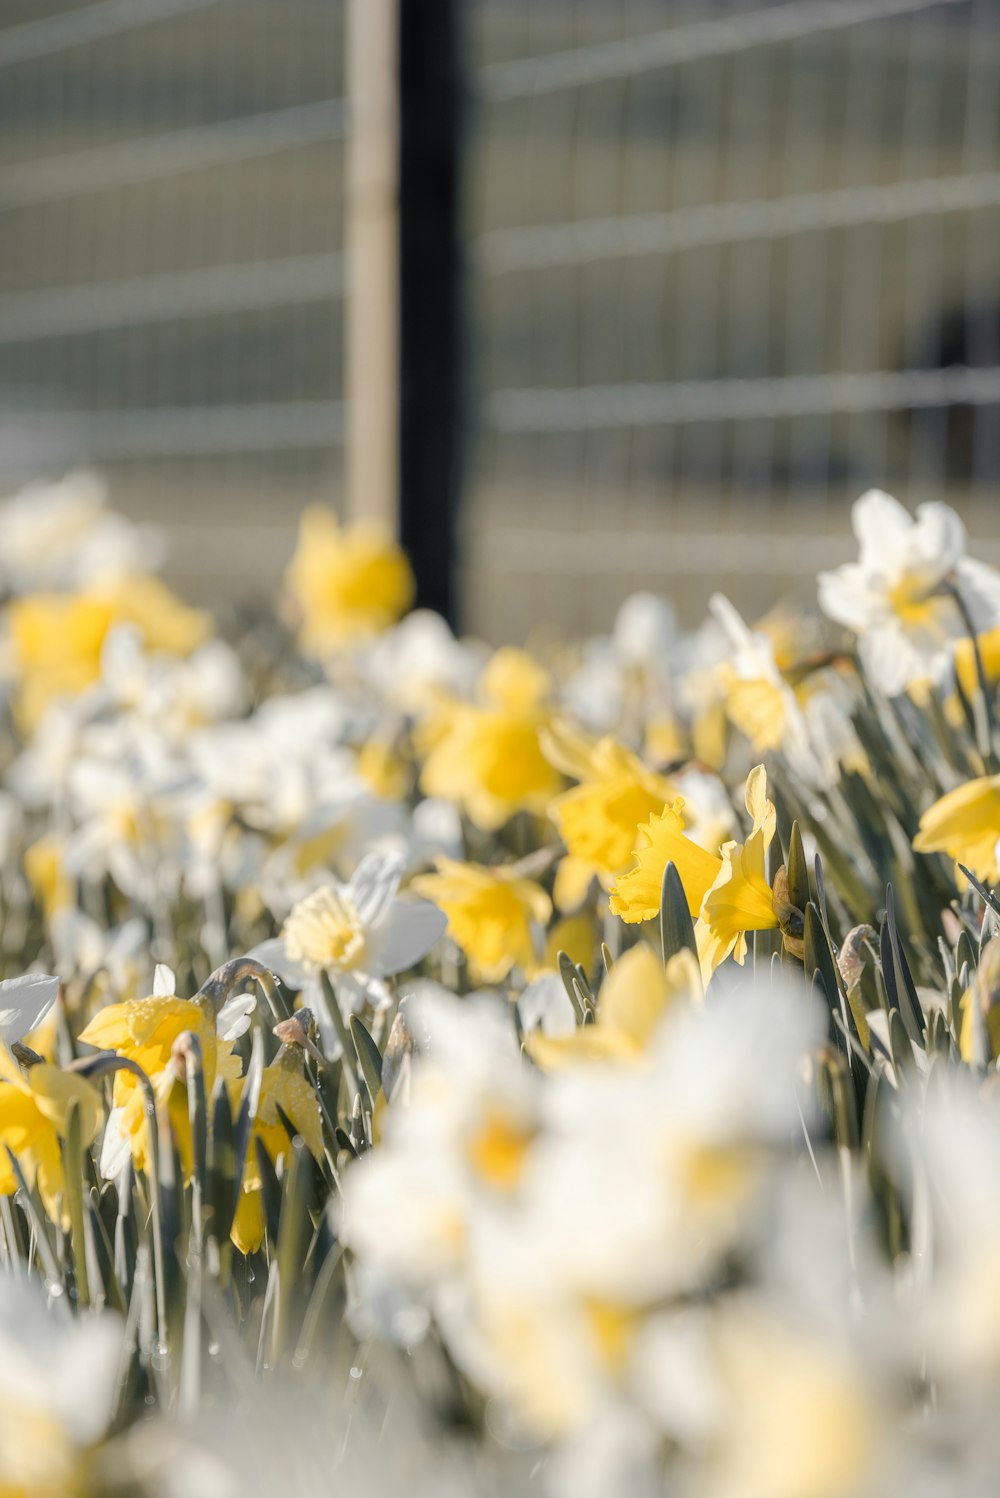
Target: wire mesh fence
[171, 275]
[731, 263]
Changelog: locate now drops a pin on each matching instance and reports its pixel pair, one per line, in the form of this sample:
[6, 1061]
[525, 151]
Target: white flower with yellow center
[359, 933]
[324, 931]
[896, 595]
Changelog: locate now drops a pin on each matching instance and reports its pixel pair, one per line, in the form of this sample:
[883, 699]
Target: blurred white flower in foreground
[544, 1219]
[895, 595]
[57, 1383]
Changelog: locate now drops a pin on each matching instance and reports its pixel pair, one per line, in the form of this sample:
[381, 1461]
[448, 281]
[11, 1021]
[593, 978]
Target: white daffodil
[61, 536]
[419, 657]
[896, 595]
[83, 948]
[58, 1374]
[359, 933]
[124, 823]
[172, 694]
[645, 630]
[24, 1003]
[456, 1146]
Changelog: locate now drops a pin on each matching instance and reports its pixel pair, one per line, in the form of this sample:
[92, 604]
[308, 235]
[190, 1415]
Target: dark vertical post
[431, 419]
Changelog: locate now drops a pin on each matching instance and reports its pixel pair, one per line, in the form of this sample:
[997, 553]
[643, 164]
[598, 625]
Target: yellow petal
[635, 896]
[54, 1091]
[965, 824]
[634, 995]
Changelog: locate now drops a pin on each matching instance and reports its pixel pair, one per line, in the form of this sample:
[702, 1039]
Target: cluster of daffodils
[567, 1070]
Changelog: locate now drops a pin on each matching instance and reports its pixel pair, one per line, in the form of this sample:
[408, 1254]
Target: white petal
[893, 659]
[24, 1003]
[233, 1019]
[979, 586]
[849, 596]
[545, 1005]
[374, 884]
[413, 928]
[271, 954]
[164, 981]
[940, 536]
[114, 1147]
[314, 998]
[882, 526]
[644, 629]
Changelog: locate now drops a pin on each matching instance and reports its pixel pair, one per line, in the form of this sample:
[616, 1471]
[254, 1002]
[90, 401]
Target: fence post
[371, 237]
[431, 425]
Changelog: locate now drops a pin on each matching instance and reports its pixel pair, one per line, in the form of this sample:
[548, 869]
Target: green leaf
[74, 1177]
[676, 927]
[294, 1232]
[369, 1056]
[222, 1180]
[570, 981]
[797, 870]
[901, 1047]
[897, 973]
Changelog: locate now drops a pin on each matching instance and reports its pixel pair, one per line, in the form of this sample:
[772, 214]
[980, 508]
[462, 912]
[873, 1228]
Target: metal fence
[171, 265]
[732, 264]
[728, 262]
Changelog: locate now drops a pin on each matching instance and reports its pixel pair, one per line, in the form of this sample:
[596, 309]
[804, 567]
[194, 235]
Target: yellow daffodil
[665, 740]
[283, 1084]
[988, 645]
[965, 824]
[597, 819]
[44, 867]
[636, 895]
[490, 915]
[633, 999]
[146, 1031]
[740, 898]
[981, 1002]
[35, 1100]
[56, 639]
[576, 936]
[383, 768]
[488, 758]
[346, 583]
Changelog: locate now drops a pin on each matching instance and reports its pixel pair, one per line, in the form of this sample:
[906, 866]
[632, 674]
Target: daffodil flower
[58, 1375]
[146, 1031]
[493, 915]
[35, 1097]
[740, 898]
[359, 933]
[488, 758]
[729, 894]
[636, 894]
[597, 818]
[283, 1084]
[965, 824]
[346, 583]
[633, 999]
[35, 1101]
[895, 597]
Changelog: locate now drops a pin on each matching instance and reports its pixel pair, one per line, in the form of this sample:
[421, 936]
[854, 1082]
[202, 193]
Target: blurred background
[578, 295]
